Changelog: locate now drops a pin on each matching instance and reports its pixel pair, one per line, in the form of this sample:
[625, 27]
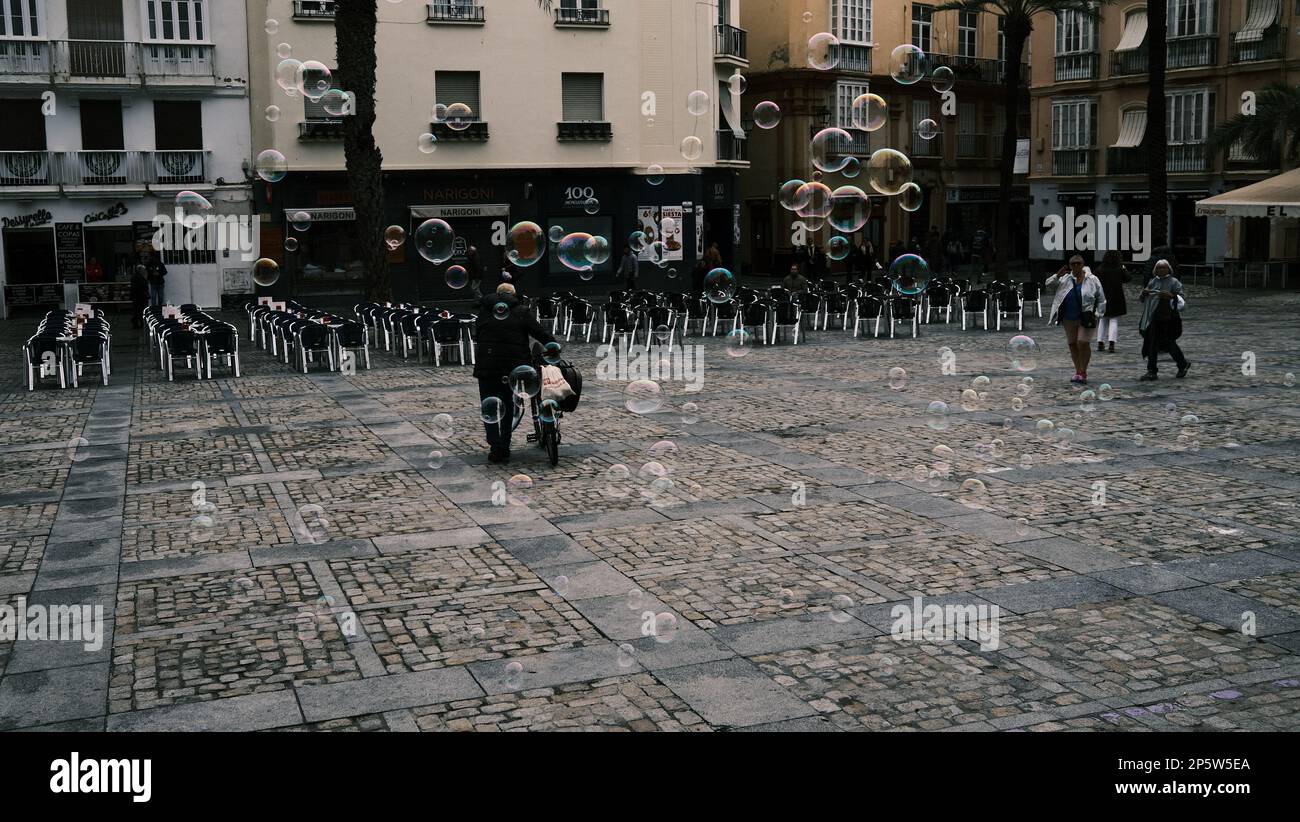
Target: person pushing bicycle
[502, 333]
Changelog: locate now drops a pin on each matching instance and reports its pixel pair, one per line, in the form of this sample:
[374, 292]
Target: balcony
[29, 168]
[313, 10]
[1074, 162]
[322, 130]
[975, 69]
[582, 18]
[731, 149]
[100, 168]
[475, 132]
[1126, 161]
[729, 41]
[855, 58]
[1079, 66]
[587, 131]
[1191, 52]
[1239, 159]
[458, 14]
[1271, 46]
[25, 57]
[1129, 62]
[1179, 157]
[973, 146]
[927, 149]
[859, 144]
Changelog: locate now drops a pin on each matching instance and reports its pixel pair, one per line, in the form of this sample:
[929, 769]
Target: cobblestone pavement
[283, 551]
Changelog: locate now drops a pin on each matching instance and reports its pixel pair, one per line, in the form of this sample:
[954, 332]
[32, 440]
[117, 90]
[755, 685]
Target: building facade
[571, 109]
[1089, 119]
[112, 108]
[957, 169]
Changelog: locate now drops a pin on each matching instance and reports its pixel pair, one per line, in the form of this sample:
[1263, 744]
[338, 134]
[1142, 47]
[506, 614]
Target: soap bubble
[394, 237]
[286, 72]
[265, 272]
[868, 112]
[572, 251]
[692, 148]
[442, 426]
[823, 51]
[830, 149]
[1017, 404]
[936, 415]
[719, 285]
[909, 274]
[597, 250]
[191, 202]
[852, 168]
[665, 628]
[838, 248]
[626, 655]
[970, 400]
[654, 174]
[435, 240]
[643, 396]
[290, 243]
[272, 25]
[911, 197]
[850, 209]
[981, 383]
[456, 277]
[459, 116]
[526, 243]
[272, 113]
[906, 64]
[840, 605]
[767, 115]
[889, 170]
[897, 378]
[807, 16]
[313, 79]
[697, 103]
[335, 102]
[690, 413]
[271, 166]
[818, 201]
[927, 129]
[519, 489]
[1023, 352]
[1288, 379]
[1045, 427]
[427, 143]
[941, 79]
[300, 220]
[1105, 392]
[491, 410]
[793, 196]
[1087, 400]
[739, 341]
[737, 83]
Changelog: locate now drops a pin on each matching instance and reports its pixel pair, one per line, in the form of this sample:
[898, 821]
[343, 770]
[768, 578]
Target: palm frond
[1272, 131]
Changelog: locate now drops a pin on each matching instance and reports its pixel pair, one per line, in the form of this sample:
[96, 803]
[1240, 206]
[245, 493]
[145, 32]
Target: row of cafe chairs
[194, 337]
[405, 326]
[302, 336]
[64, 344]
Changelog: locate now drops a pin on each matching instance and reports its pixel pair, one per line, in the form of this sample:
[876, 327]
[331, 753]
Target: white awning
[1135, 31]
[1260, 16]
[1132, 129]
[448, 212]
[730, 105]
[1275, 197]
[326, 215]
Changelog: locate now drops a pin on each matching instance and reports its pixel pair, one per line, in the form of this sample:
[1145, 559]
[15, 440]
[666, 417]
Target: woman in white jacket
[1079, 302]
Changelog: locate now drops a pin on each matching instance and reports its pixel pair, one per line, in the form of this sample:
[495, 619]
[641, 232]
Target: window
[1075, 33]
[967, 25]
[101, 125]
[851, 20]
[724, 12]
[24, 126]
[1002, 38]
[584, 97]
[315, 110]
[580, 9]
[967, 118]
[176, 20]
[1190, 18]
[1074, 123]
[20, 18]
[920, 145]
[1188, 114]
[845, 94]
[922, 26]
[178, 125]
[458, 87]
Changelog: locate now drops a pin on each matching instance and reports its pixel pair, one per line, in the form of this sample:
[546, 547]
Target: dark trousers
[498, 434]
[1153, 356]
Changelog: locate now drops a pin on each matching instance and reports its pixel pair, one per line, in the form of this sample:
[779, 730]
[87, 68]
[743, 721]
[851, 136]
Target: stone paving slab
[733, 693]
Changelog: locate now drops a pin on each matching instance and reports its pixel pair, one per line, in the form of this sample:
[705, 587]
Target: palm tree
[1155, 142]
[355, 23]
[1272, 133]
[1018, 24]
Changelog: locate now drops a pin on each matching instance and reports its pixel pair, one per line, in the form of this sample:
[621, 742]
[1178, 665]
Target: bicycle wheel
[551, 441]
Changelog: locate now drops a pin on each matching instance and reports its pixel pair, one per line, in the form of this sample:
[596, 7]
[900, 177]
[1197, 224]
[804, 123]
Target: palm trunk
[1155, 139]
[354, 36]
[1017, 32]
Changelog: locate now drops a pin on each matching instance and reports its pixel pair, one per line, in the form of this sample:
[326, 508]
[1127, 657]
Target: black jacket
[503, 344]
[1112, 284]
[157, 271]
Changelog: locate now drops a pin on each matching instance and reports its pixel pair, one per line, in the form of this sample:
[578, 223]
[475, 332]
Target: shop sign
[36, 218]
[114, 211]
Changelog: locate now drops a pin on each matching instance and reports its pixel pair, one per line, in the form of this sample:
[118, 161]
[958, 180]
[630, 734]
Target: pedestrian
[869, 263]
[933, 250]
[856, 263]
[1162, 319]
[1113, 276]
[713, 257]
[955, 252]
[139, 294]
[1079, 301]
[795, 282]
[474, 268]
[94, 271]
[820, 267]
[627, 267]
[157, 274]
[503, 345]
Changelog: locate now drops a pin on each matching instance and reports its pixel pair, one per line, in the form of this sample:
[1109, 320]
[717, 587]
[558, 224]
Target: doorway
[29, 256]
[113, 249]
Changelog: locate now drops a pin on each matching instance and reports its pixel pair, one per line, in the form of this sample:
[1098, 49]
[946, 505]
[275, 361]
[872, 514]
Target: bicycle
[546, 414]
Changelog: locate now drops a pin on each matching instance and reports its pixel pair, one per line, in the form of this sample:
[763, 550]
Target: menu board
[70, 251]
[143, 237]
[43, 294]
[96, 293]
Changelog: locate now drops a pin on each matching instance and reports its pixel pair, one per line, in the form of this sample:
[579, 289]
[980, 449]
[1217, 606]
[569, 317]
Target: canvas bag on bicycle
[562, 383]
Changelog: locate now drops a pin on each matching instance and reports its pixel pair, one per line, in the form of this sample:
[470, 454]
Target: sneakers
[1182, 370]
[1078, 378]
[1112, 346]
[1148, 377]
[1101, 346]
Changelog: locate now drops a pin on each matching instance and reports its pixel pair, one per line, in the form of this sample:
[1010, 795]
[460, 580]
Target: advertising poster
[699, 232]
[673, 233]
[647, 222]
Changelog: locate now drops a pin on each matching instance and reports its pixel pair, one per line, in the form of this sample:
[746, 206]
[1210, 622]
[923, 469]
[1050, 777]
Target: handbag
[554, 385]
[1088, 319]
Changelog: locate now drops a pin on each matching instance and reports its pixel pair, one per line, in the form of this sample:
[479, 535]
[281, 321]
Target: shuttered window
[20, 18]
[316, 110]
[458, 87]
[584, 97]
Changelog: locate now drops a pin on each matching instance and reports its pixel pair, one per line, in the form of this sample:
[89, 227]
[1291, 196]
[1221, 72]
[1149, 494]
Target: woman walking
[1113, 276]
[1079, 301]
[1162, 320]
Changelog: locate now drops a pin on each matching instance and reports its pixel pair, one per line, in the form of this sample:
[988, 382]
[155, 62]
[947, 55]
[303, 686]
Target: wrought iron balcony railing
[731, 149]
[581, 17]
[1179, 157]
[470, 14]
[1129, 61]
[1079, 66]
[313, 9]
[855, 58]
[975, 69]
[586, 131]
[1271, 46]
[474, 132]
[922, 148]
[1074, 162]
[973, 145]
[103, 168]
[25, 57]
[321, 129]
[1191, 52]
[729, 41]
[29, 168]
